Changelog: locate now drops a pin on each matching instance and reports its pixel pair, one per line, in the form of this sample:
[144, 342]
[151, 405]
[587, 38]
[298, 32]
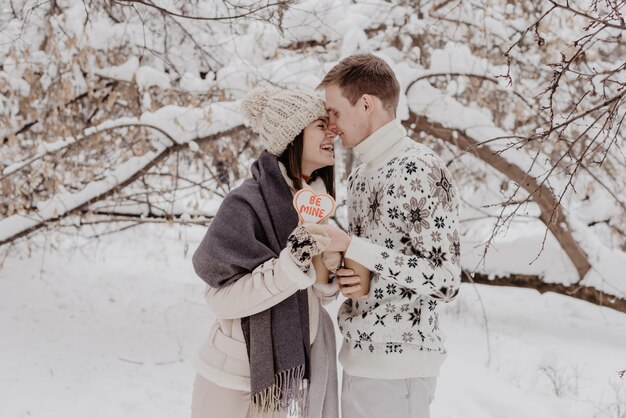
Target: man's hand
[339, 239]
[349, 283]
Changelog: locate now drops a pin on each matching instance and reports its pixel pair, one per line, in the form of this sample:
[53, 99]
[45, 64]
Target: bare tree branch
[602, 21]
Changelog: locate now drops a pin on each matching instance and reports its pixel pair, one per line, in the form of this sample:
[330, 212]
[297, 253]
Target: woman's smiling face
[317, 147]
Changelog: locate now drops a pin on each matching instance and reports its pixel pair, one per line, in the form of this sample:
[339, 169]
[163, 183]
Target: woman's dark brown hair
[292, 160]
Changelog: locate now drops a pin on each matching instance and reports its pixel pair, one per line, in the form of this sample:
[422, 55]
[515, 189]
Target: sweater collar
[380, 142]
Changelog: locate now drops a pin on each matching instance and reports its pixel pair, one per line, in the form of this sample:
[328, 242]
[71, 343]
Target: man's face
[350, 123]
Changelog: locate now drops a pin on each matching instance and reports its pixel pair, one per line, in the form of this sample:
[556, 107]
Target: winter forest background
[120, 135]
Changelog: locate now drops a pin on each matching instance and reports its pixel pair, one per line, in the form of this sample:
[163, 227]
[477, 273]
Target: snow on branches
[127, 110]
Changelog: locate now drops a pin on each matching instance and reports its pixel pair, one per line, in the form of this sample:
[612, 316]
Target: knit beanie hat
[278, 115]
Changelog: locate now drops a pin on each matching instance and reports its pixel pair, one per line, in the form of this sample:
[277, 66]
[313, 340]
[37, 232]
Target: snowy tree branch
[587, 293]
[552, 214]
[147, 3]
[63, 143]
[60, 206]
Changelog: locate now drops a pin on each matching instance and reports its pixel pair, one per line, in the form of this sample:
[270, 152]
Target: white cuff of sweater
[293, 271]
[362, 251]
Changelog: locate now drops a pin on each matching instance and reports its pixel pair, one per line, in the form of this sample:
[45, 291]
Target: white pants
[362, 397]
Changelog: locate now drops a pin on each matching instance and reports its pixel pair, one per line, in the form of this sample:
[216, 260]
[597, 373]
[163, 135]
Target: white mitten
[332, 260]
[305, 242]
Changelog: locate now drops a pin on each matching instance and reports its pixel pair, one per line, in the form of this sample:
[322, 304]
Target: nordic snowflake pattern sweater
[403, 213]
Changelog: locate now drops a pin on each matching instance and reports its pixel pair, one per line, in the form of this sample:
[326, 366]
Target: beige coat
[223, 358]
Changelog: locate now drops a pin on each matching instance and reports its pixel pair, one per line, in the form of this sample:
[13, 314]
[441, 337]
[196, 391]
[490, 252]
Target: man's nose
[332, 126]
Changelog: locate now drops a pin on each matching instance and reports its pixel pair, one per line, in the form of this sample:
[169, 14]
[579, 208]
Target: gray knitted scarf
[252, 226]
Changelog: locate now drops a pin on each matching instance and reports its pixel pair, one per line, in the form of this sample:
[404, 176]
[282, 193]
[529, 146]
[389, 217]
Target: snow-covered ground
[108, 328]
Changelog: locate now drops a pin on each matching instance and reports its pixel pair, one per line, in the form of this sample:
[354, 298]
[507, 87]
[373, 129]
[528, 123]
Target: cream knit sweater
[403, 213]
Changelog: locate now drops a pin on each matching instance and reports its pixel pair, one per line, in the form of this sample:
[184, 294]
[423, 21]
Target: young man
[403, 214]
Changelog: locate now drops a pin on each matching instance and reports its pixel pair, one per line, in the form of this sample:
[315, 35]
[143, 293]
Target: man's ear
[368, 102]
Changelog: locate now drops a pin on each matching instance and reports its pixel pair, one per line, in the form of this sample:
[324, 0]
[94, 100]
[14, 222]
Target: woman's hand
[322, 274]
[306, 242]
[339, 240]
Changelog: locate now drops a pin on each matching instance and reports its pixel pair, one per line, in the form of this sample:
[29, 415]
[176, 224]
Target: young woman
[272, 348]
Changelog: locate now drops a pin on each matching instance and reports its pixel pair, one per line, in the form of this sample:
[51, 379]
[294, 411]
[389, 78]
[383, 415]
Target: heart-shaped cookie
[313, 208]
